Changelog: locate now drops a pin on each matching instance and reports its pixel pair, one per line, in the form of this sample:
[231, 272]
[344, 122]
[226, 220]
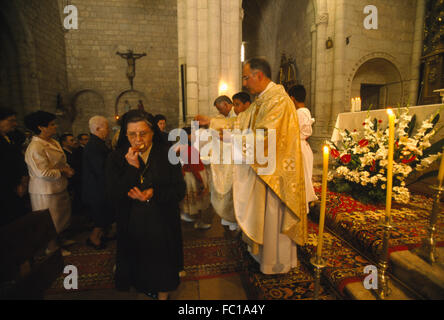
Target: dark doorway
[370, 95]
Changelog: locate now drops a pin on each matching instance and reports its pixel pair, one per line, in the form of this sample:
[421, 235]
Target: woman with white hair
[93, 180]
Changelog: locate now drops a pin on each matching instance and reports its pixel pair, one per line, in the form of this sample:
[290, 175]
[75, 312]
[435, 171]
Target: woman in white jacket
[297, 94]
[48, 171]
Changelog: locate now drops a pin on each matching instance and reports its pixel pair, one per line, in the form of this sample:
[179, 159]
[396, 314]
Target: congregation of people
[131, 184]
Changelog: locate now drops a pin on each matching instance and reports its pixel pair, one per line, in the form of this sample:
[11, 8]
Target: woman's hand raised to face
[145, 195]
[132, 157]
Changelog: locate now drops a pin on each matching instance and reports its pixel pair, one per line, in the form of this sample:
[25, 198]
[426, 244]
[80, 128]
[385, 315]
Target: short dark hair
[79, 136]
[6, 113]
[260, 64]
[242, 96]
[298, 92]
[64, 136]
[159, 117]
[138, 115]
[38, 119]
[221, 99]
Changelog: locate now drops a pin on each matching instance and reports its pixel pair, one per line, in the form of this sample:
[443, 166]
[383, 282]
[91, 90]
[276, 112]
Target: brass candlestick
[383, 290]
[428, 249]
[318, 263]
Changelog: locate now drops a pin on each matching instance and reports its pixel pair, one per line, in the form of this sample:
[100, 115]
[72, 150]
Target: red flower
[373, 168]
[380, 121]
[363, 143]
[346, 158]
[363, 123]
[412, 158]
[334, 153]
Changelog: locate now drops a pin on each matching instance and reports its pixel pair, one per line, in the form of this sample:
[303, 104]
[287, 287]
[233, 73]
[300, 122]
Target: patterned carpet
[358, 223]
[298, 284]
[95, 268]
[213, 257]
[207, 258]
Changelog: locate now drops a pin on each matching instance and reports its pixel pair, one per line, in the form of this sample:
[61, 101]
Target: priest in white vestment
[270, 207]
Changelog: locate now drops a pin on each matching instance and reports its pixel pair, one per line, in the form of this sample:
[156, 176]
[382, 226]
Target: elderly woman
[48, 171]
[147, 190]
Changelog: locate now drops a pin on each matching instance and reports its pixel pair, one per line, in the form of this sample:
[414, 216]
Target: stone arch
[85, 104]
[133, 97]
[382, 56]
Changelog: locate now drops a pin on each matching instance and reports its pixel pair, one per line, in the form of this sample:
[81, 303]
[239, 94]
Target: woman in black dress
[145, 189]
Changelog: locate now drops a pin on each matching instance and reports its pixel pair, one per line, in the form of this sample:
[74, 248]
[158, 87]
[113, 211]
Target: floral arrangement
[360, 160]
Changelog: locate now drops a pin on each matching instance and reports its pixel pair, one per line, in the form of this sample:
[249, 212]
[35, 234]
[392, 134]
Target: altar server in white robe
[297, 94]
[221, 173]
[269, 199]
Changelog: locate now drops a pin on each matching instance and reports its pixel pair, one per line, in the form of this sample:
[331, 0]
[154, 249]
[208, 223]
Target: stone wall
[97, 75]
[33, 64]
[294, 39]
[392, 41]
[337, 67]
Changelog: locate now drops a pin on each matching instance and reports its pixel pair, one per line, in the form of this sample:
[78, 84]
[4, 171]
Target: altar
[354, 120]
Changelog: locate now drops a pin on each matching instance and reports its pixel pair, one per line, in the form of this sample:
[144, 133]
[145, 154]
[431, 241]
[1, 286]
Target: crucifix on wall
[131, 60]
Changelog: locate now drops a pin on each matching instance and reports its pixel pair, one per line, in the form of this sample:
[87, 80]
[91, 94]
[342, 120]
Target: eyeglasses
[142, 134]
[248, 77]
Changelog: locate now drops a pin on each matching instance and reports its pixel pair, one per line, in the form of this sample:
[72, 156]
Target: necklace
[142, 178]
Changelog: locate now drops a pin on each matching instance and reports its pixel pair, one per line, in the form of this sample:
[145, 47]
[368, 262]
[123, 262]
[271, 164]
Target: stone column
[338, 97]
[203, 22]
[211, 33]
[225, 42]
[323, 94]
[235, 26]
[182, 47]
[417, 51]
[313, 68]
[214, 52]
[192, 43]
[322, 67]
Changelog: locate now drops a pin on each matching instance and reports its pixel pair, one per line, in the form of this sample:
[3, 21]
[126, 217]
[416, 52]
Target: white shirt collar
[270, 84]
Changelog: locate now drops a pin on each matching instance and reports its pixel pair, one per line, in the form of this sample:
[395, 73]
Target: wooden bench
[21, 275]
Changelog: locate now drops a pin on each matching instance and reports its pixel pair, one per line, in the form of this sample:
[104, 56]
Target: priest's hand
[203, 120]
[132, 157]
[145, 195]
[68, 172]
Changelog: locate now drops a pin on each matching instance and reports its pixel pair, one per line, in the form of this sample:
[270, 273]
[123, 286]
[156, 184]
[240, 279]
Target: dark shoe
[101, 246]
[152, 295]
